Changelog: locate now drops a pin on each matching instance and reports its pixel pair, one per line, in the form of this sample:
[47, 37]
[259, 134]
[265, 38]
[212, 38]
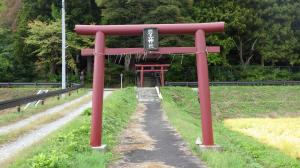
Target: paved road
[10, 149]
[168, 150]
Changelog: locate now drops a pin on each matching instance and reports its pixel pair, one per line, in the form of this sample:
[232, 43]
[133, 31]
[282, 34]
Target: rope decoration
[173, 56]
[181, 59]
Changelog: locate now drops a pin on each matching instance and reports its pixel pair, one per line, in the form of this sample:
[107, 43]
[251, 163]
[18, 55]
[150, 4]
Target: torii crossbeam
[138, 51]
[199, 30]
[141, 51]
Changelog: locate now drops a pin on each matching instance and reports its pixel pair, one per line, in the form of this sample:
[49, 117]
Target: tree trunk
[52, 68]
[273, 63]
[89, 66]
[127, 62]
[262, 61]
[76, 71]
[241, 52]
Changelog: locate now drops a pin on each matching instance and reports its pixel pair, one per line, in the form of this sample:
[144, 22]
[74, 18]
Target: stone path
[150, 141]
[12, 148]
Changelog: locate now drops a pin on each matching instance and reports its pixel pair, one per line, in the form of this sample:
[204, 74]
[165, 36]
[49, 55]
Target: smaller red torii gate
[161, 68]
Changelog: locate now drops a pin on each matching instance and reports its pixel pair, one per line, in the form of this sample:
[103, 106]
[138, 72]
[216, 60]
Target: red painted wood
[98, 89]
[151, 70]
[152, 65]
[198, 29]
[139, 51]
[203, 88]
[187, 28]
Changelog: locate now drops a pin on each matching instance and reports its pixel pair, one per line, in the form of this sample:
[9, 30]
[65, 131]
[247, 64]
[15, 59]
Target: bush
[259, 73]
[250, 73]
[295, 76]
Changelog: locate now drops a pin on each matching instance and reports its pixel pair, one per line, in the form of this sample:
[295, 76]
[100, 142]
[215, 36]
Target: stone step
[147, 94]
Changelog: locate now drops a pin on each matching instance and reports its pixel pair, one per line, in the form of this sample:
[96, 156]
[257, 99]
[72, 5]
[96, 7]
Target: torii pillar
[98, 85]
[203, 88]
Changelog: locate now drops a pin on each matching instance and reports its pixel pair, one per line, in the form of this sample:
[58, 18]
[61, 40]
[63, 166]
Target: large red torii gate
[198, 29]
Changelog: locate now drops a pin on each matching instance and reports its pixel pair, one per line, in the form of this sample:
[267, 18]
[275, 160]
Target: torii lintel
[138, 51]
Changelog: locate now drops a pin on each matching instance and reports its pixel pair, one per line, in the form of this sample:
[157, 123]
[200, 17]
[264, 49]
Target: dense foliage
[264, 33]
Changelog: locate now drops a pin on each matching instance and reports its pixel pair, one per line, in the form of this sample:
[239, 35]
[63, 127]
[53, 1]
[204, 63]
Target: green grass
[14, 134]
[12, 115]
[240, 151]
[255, 101]
[69, 147]
[17, 92]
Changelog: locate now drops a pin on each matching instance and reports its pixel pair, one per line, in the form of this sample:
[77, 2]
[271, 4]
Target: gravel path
[150, 141]
[22, 123]
[10, 149]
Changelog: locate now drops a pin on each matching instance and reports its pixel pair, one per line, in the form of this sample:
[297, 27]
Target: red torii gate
[198, 29]
[162, 68]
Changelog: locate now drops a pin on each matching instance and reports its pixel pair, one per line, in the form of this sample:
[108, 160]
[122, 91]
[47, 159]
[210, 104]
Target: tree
[6, 50]
[257, 32]
[239, 39]
[278, 41]
[142, 12]
[45, 38]
[78, 11]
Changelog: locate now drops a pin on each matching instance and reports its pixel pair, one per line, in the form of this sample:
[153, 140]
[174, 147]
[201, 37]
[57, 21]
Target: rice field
[280, 133]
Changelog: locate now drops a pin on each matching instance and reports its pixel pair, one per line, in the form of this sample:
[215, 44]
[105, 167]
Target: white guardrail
[158, 92]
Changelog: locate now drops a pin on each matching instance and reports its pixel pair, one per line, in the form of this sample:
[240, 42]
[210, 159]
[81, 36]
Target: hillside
[259, 36]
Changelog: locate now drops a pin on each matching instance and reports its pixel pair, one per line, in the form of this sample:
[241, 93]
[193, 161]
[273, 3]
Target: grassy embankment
[232, 104]
[69, 147]
[17, 92]
[16, 133]
[12, 115]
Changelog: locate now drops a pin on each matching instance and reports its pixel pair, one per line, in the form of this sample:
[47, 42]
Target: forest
[261, 40]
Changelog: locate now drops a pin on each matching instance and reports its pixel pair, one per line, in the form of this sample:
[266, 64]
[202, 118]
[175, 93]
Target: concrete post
[142, 76]
[162, 76]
